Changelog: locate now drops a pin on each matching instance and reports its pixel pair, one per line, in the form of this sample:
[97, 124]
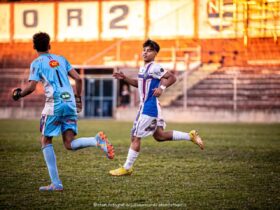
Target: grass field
[240, 169]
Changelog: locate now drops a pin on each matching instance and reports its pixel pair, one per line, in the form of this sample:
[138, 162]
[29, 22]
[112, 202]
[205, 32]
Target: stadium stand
[233, 52]
[251, 60]
[21, 54]
[236, 88]
[228, 52]
[15, 77]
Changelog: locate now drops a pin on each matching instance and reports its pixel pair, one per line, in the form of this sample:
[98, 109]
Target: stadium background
[225, 54]
[226, 58]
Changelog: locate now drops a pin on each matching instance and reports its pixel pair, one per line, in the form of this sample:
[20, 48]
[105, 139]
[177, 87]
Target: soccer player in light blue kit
[60, 112]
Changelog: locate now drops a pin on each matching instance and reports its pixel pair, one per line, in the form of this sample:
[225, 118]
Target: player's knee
[45, 141]
[68, 146]
[159, 138]
[135, 142]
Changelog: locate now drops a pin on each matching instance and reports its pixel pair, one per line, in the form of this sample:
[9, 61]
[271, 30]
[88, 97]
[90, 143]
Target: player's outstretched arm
[78, 84]
[19, 93]
[122, 76]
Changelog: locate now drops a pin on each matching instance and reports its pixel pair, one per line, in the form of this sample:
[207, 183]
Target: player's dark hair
[41, 41]
[152, 44]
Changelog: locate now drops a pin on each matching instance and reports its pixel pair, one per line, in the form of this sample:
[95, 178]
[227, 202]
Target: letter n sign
[30, 18]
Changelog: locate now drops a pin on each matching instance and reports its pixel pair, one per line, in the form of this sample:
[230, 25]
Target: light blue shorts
[51, 125]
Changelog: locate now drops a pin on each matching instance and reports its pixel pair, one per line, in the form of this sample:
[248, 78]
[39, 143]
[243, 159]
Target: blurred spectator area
[18, 54]
[257, 65]
[233, 52]
[228, 88]
[18, 77]
[228, 52]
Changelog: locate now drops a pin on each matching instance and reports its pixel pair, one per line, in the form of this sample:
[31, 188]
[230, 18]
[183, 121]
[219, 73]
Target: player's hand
[119, 75]
[79, 104]
[157, 92]
[16, 94]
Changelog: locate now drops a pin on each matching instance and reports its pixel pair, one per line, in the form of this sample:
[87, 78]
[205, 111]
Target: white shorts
[145, 125]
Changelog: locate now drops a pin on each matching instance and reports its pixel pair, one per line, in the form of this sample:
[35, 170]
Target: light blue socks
[50, 159]
[83, 143]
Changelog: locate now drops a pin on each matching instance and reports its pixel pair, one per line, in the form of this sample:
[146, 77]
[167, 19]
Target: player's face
[148, 54]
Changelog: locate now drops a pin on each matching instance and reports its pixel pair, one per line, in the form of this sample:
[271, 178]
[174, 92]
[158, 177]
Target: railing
[105, 51]
[175, 55]
[234, 91]
[184, 55]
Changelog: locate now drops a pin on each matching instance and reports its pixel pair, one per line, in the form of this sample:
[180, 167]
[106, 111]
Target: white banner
[123, 19]
[30, 18]
[171, 18]
[4, 22]
[78, 21]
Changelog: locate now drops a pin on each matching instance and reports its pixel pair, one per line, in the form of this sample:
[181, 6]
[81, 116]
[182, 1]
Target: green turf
[238, 170]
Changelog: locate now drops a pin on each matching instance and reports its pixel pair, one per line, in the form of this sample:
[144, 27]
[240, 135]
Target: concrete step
[192, 77]
[258, 104]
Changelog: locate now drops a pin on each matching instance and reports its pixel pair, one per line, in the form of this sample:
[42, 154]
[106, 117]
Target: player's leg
[160, 135]
[48, 129]
[132, 155]
[133, 152]
[68, 136]
[69, 131]
[143, 127]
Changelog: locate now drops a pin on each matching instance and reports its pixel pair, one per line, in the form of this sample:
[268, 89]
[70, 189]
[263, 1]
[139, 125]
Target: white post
[136, 58]
[118, 53]
[174, 58]
[185, 82]
[22, 99]
[235, 93]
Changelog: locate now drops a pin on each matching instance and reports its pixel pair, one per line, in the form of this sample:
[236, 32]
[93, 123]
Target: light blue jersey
[59, 113]
[52, 70]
